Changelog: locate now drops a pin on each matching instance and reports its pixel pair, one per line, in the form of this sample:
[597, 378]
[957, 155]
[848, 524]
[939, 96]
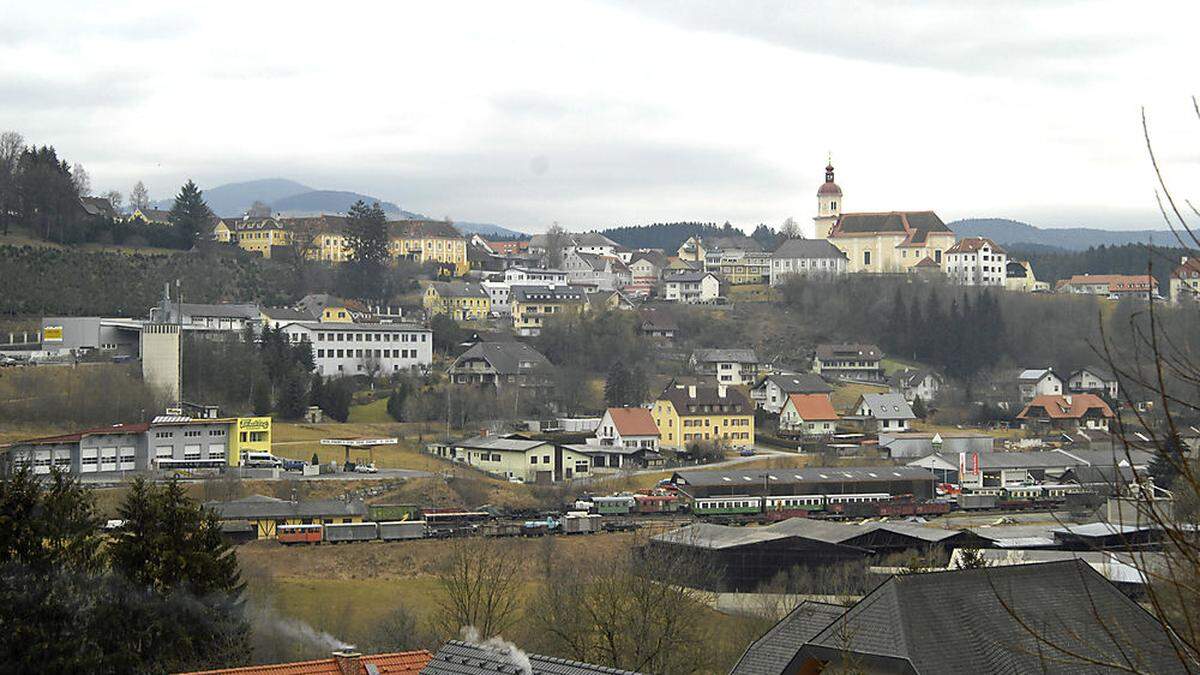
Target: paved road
[114, 478]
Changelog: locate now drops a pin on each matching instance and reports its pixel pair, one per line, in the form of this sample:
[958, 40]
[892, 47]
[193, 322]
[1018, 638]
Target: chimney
[691, 391]
[721, 390]
[348, 662]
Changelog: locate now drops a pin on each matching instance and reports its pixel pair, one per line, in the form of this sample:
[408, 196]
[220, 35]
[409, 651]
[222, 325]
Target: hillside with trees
[1051, 264]
[667, 236]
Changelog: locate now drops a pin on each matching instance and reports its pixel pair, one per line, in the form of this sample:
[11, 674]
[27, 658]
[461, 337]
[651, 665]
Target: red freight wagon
[299, 534]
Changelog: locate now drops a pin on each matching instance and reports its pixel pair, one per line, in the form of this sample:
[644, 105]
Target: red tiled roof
[1070, 407]
[972, 244]
[633, 421]
[927, 262]
[1115, 282]
[71, 438]
[813, 407]
[396, 663]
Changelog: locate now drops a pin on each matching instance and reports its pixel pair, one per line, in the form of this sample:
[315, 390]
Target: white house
[772, 391]
[497, 292]
[1093, 380]
[806, 257]
[645, 269]
[1034, 382]
[533, 276]
[691, 287]
[911, 383]
[341, 349]
[628, 428]
[603, 272]
[729, 366]
[884, 412]
[808, 415]
[976, 261]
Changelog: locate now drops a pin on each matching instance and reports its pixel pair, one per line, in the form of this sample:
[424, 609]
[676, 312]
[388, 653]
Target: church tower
[829, 204]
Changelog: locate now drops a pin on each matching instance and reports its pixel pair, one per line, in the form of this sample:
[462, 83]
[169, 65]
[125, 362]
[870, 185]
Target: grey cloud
[26, 96]
[963, 37]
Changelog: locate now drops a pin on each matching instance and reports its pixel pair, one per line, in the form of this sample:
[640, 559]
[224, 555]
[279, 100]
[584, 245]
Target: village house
[264, 237]
[514, 456]
[976, 261]
[687, 414]
[461, 300]
[728, 366]
[691, 287]
[658, 325]
[500, 365]
[645, 269]
[1018, 276]
[599, 301]
[329, 309]
[626, 438]
[882, 412]
[1094, 380]
[1034, 382]
[911, 383]
[849, 362]
[429, 241]
[151, 216]
[1113, 286]
[1066, 413]
[692, 250]
[737, 259]
[277, 317]
[599, 272]
[808, 415]
[771, 391]
[592, 243]
[806, 257]
[1185, 281]
[532, 305]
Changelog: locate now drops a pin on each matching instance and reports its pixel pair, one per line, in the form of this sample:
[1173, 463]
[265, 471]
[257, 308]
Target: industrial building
[261, 515]
[166, 443]
[341, 349]
[893, 480]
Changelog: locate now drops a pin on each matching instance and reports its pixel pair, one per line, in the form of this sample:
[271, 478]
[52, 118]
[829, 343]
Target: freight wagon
[299, 534]
[393, 512]
[581, 523]
[402, 529]
[340, 532]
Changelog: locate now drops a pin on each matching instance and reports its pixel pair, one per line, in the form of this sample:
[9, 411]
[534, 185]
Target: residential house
[225, 317]
[626, 438]
[1094, 380]
[533, 276]
[1067, 413]
[1044, 617]
[912, 382]
[883, 412]
[97, 207]
[977, 261]
[645, 269]
[692, 250]
[927, 269]
[592, 243]
[330, 309]
[658, 325]
[771, 653]
[1185, 281]
[1034, 382]
[849, 361]
[151, 216]
[1018, 276]
[687, 414]
[737, 259]
[462, 300]
[514, 456]
[264, 237]
[808, 415]
[429, 241]
[532, 305]
[728, 366]
[224, 230]
[600, 272]
[500, 365]
[806, 257]
[1113, 286]
[599, 301]
[278, 317]
[507, 248]
[691, 287]
[341, 349]
[498, 293]
[771, 392]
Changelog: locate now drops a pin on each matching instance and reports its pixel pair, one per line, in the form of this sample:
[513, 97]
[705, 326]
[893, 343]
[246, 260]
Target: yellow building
[532, 305]
[890, 242]
[224, 230]
[426, 241]
[462, 300]
[265, 514]
[248, 434]
[687, 414]
[260, 236]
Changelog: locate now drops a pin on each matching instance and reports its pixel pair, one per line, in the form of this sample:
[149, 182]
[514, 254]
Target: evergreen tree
[293, 399]
[616, 385]
[338, 395]
[316, 459]
[1164, 468]
[896, 337]
[190, 215]
[918, 408]
[260, 397]
[916, 331]
[302, 355]
[368, 241]
[316, 391]
[395, 402]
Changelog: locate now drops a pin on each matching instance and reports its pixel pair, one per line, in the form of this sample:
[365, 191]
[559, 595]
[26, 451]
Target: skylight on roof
[725, 478]
[896, 473]
[823, 475]
[872, 474]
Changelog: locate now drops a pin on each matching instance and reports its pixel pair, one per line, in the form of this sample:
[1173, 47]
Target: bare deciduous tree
[480, 580]
[12, 144]
[139, 197]
[115, 199]
[556, 239]
[81, 180]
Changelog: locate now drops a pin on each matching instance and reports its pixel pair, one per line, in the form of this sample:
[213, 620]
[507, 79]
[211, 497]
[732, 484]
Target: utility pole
[179, 342]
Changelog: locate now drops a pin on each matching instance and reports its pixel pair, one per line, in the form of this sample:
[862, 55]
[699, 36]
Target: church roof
[915, 225]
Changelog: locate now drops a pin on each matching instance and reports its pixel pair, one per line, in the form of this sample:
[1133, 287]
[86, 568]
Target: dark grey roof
[463, 658]
[799, 383]
[261, 507]
[772, 652]
[223, 310]
[888, 407]
[505, 357]
[912, 377]
[287, 314]
[686, 277]
[458, 289]
[736, 241]
[98, 206]
[686, 404]
[1014, 619]
[807, 248]
[795, 475]
[1103, 374]
[725, 355]
[847, 350]
[550, 293]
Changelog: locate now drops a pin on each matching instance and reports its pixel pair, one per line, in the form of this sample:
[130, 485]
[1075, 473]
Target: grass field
[374, 412]
[846, 395]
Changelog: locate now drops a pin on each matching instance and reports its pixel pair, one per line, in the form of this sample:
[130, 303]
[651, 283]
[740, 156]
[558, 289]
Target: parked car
[365, 468]
[293, 464]
[261, 460]
[746, 452]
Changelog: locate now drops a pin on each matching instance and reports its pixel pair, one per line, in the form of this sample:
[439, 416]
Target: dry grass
[846, 395]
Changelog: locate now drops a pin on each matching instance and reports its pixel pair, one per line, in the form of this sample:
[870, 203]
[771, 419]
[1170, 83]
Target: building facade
[806, 257]
[344, 349]
[849, 362]
[976, 261]
[533, 305]
[691, 287]
[687, 414]
[461, 300]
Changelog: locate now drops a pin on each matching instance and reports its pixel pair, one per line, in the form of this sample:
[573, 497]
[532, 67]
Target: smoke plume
[498, 644]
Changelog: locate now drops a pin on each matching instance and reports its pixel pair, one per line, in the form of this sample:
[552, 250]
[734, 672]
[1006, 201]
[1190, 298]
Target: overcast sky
[596, 114]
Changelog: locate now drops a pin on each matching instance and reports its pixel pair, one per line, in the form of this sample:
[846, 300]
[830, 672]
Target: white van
[260, 460]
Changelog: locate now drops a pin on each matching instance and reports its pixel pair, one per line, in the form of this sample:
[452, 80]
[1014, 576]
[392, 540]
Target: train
[631, 504]
[349, 532]
[1018, 497]
[738, 505]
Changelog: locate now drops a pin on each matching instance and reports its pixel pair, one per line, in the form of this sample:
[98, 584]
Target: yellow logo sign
[254, 423]
[52, 334]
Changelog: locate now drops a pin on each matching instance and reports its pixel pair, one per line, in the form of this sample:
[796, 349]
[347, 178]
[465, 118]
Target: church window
[866, 257]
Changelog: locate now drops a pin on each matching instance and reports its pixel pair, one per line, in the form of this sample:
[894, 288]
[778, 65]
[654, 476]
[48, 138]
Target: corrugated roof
[395, 663]
[800, 475]
[461, 658]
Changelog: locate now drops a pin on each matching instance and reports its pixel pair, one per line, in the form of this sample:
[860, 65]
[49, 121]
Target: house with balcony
[691, 287]
[728, 366]
[532, 306]
[772, 391]
[849, 361]
[500, 365]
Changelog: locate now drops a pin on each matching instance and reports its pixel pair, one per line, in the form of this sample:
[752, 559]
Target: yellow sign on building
[252, 434]
[52, 334]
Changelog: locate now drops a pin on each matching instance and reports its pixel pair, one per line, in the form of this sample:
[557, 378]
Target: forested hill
[1008, 232]
[1051, 264]
[667, 236]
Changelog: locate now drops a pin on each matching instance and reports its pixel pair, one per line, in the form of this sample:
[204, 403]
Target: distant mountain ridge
[487, 230]
[1008, 232]
[288, 198]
